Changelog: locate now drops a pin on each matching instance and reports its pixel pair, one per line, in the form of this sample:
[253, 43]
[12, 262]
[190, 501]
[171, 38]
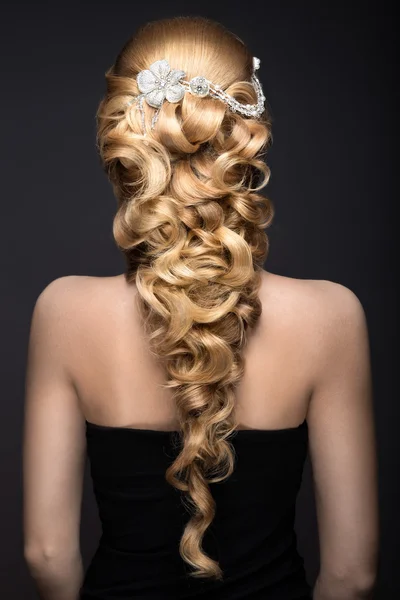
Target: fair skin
[308, 358]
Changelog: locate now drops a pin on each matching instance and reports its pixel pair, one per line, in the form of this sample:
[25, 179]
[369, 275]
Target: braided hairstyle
[190, 222]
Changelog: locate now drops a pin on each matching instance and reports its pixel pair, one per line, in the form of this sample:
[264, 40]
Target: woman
[196, 380]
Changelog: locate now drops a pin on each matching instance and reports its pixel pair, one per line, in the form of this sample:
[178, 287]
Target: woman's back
[130, 436]
[118, 380]
[93, 387]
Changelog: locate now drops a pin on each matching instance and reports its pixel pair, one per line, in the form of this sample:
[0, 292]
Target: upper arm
[54, 436]
[342, 438]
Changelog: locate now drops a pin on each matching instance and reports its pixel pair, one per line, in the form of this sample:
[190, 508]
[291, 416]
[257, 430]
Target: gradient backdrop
[328, 71]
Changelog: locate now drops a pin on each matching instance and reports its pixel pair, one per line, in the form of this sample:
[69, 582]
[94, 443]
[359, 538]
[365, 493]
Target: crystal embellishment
[159, 82]
[256, 63]
[199, 86]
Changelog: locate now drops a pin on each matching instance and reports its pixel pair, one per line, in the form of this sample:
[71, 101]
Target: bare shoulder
[62, 291]
[319, 323]
[317, 303]
[320, 319]
[72, 300]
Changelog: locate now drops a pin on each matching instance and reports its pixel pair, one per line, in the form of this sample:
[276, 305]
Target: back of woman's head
[191, 223]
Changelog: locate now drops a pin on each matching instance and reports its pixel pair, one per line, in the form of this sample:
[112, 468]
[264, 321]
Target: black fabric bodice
[142, 518]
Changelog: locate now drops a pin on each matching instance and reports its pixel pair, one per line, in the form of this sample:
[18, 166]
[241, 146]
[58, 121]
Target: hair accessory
[159, 83]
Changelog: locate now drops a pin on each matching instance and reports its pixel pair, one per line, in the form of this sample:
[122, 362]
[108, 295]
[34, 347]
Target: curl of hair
[191, 223]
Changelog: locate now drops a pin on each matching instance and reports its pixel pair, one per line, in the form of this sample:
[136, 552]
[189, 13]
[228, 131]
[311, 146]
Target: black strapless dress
[142, 518]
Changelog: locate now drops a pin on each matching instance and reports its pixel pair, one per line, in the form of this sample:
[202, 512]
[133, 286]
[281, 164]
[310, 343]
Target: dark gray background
[328, 71]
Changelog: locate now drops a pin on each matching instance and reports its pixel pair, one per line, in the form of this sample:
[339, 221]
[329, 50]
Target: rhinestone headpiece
[159, 83]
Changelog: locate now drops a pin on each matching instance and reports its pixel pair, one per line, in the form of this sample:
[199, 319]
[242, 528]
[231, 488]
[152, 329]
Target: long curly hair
[191, 224]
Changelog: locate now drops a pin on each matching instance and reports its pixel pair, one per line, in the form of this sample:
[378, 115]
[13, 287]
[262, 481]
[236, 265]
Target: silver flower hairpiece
[159, 83]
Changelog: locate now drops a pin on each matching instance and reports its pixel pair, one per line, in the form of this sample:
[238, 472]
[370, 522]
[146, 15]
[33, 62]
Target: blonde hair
[191, 222]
